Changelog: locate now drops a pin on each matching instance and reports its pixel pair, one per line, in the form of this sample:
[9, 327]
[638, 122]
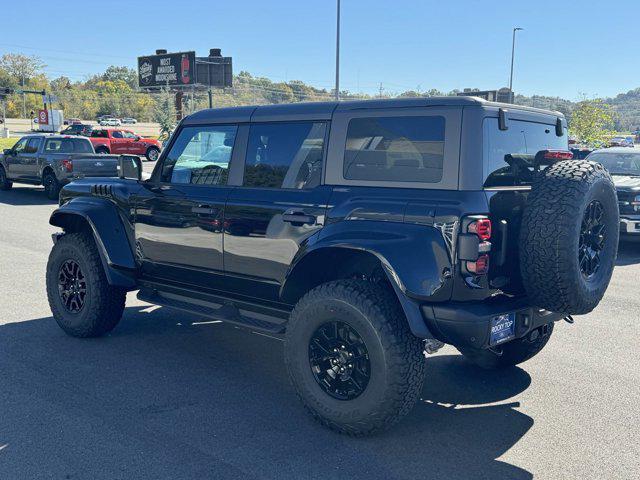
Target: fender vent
[102, 190]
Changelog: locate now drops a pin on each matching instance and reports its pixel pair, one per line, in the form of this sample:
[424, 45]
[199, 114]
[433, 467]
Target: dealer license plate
[503, 328]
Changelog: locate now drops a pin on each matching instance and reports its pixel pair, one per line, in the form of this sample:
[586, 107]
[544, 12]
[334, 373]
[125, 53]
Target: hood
[626, 182]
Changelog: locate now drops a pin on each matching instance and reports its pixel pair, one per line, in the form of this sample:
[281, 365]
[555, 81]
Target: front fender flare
[102, 217]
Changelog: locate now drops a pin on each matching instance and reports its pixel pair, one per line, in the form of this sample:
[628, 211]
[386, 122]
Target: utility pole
[380, 90]
[513, 53]
[24, 99]
[338, 51]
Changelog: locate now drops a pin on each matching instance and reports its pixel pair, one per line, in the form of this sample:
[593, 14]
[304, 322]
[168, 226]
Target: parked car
[78, 129]
[624, 166]
[71, 121]
[113, 140]
[110, 122]
[53, 161]
[367, 232]
[129, 121]
[621, 142]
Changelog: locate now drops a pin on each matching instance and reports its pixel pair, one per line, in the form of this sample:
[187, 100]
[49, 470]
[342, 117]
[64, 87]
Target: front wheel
[512, 353]
[51, 185]
[152, 154]
[351, 357]
[81, 299]
[5, 183]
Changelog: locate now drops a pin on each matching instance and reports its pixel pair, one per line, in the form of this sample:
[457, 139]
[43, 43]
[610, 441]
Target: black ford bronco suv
[367, 232]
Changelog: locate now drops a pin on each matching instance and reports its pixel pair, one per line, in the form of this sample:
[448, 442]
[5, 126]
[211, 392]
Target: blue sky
[567, 48]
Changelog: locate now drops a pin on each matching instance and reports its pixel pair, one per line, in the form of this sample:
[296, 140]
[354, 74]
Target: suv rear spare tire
[569, 237]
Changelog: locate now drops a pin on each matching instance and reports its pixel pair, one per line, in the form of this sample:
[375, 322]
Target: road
[168, 395]
[20, 126]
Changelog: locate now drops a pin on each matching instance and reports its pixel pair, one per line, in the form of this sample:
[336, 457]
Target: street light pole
[337, 94]
[513, 53]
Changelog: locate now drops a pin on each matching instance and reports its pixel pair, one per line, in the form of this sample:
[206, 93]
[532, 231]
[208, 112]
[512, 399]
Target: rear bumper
[468, 324]
[630, 224]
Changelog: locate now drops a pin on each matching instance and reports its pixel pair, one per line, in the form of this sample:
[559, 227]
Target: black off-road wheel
[81, 299]
[351, 357]
[152, 154]
[569, 237]
[5, 183]
[512, 353]
[51, 186]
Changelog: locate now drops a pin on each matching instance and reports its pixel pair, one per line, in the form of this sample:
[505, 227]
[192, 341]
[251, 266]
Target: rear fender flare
[108, 231]
[414, 258]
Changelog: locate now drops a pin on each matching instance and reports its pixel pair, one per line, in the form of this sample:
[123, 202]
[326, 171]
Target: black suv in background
[367, 232]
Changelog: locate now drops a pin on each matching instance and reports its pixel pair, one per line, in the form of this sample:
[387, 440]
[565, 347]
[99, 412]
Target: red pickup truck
[117, 141]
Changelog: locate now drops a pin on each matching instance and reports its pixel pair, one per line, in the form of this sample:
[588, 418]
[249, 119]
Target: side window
[396, 149]
[284, 155]
[21, 145]
[128, 134]
[200, 155]
[117, 134]
[33, 145]
[99, 134]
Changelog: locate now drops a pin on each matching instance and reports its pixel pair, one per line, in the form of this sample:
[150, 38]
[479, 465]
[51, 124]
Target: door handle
[298, 219]
[203, 210]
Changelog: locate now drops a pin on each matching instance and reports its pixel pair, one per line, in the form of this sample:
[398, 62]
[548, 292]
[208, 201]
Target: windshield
[618, 163]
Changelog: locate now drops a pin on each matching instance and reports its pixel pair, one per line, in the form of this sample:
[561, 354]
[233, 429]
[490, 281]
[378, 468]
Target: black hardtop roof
[324, 110]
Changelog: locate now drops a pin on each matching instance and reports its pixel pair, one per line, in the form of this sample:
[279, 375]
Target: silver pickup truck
[53, 161]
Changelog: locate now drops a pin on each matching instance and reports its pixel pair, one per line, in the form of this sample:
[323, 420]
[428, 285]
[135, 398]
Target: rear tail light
[67, 165]
[481, 227]
[558, 155]
[480, 266]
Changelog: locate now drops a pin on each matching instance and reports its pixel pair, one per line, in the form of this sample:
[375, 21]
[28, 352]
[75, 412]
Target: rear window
[67, 145]
[100, 134]
[521, 137]
[395, 149]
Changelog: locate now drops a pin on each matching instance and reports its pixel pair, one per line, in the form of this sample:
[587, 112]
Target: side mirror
[138, 137]
[130, 167]
[8, 151]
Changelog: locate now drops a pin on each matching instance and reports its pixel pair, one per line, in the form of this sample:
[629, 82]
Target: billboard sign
[170, 69]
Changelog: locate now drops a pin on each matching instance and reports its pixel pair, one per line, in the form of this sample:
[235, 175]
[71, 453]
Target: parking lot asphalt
[171, 396]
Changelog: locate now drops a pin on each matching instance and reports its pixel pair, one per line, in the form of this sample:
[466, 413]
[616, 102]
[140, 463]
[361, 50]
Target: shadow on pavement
[25, 195]
[168, 395]
[628, 251]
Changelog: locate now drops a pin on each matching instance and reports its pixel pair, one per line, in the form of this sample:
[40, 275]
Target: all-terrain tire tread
[404, 350]
[107, 301]
[546, 251]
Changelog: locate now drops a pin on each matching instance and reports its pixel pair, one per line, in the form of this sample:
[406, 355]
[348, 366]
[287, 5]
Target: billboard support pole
[210, 98]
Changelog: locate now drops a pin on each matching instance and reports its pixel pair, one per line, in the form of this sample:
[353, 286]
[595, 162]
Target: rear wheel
[512, 353]
[81, 299]
[152, 154]
[51, 185]
[5, 183]
[351, 357]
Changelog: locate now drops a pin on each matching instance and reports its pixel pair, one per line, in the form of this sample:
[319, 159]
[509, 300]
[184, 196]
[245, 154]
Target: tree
[164, 113]
[591, 122]
[21, 67]
[123, 74]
